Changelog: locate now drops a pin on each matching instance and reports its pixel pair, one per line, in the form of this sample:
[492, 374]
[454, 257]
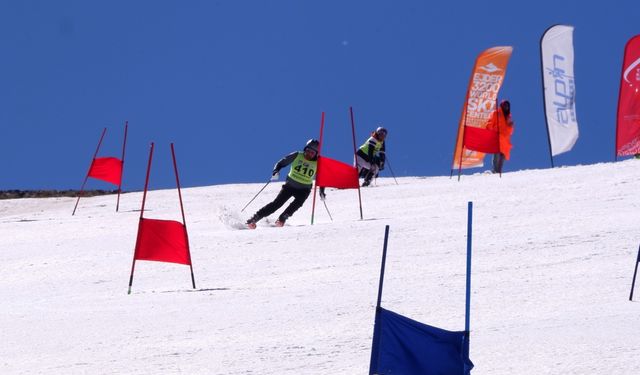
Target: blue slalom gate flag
[402, 346]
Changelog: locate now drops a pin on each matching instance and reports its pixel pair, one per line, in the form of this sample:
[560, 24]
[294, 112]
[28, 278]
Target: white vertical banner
[556, 47]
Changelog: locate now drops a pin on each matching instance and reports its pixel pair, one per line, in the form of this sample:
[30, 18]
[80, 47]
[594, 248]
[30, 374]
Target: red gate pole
[355, 157]
[124, 145]
[635, 272]
[144, 198]
[315, 186]
[184, 221]
[87, 176]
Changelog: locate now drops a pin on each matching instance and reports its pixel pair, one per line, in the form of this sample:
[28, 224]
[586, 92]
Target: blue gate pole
[375, 345]
[633, 283]
[468, 301]
[467, 315]
[384, 261]
[467, 333]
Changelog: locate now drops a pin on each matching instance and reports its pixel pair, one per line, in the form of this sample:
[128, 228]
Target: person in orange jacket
[502, 123]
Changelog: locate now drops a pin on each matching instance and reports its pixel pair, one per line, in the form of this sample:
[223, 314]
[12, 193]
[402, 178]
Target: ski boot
[281, 220]
[367, 179]
[251, 223]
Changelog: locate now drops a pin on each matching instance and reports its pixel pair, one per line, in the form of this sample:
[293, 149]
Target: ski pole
[634, 276]
[327, 208]
[386, 160]
[256, 196]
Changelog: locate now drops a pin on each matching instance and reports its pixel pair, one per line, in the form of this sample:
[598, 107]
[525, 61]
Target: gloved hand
[275, 175]
[323, 196]
[381, 166]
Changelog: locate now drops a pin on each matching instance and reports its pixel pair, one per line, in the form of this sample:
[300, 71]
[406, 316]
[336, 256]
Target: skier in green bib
[371, 155]
[298, 185]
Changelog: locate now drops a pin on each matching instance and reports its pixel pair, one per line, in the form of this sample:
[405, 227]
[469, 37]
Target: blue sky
[238, 84]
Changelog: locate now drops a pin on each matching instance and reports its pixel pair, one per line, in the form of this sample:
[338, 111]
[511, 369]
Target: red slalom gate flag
[107, 169]
[162, 241]
[481, 140]
[336, 174]
[628, 124]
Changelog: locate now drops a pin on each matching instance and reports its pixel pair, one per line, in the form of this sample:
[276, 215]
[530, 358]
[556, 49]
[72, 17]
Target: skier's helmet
[312, 144]
[381, 131]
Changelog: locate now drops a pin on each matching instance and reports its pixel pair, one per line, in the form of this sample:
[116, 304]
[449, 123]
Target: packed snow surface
[553, 257]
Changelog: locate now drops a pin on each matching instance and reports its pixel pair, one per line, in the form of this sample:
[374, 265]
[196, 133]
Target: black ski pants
[299, 196]
[498, 161]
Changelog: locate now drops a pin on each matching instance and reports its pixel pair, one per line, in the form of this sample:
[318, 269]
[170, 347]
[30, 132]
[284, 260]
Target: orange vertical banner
[482, 94]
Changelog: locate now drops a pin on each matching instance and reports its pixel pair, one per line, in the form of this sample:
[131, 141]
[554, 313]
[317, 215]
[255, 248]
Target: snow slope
[553, 258]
